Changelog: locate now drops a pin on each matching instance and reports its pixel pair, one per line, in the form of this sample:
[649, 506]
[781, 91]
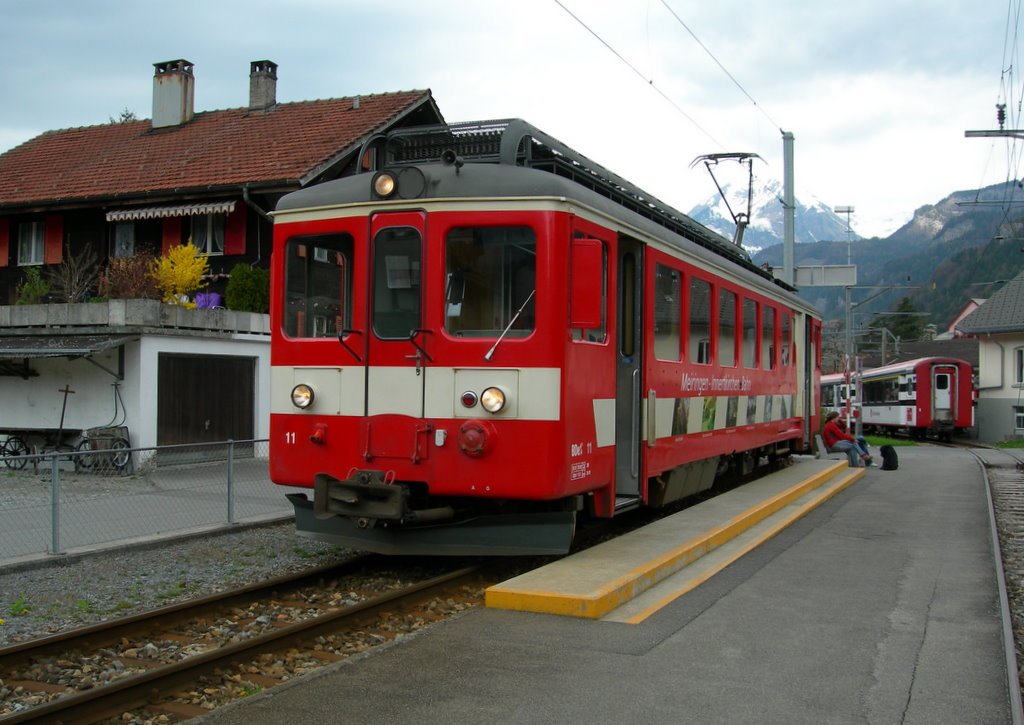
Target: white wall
[35, 403]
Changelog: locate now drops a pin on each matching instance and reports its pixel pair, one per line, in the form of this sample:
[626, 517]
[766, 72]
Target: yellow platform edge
[824, 494]
[641, 578]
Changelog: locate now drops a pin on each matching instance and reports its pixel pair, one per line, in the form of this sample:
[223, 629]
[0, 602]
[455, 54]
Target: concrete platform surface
[879, 606]
[603, 578]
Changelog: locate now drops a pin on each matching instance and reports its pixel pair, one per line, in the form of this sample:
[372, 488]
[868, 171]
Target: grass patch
[19, 607]
[173, 591]
[1010, 444]
[876, 441]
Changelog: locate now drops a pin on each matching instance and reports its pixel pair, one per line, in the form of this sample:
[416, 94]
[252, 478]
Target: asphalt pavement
[880, 606]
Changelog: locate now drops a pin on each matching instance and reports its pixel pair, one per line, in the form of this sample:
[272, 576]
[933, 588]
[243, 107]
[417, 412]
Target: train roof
[510, 158]
[894, 368]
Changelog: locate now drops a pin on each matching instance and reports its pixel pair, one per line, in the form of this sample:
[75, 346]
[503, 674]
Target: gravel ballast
[41, 600]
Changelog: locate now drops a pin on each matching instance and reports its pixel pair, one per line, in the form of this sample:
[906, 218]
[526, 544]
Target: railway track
[182, 661]
[1004, 477]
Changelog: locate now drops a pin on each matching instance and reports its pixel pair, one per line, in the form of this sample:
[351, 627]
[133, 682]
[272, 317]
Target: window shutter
[5, 242]
[53, 239]
[234, 231]
[171, 233]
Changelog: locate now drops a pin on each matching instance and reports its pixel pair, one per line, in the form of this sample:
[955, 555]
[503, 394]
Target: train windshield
[396, 283]
[491, 278]
[317, 298]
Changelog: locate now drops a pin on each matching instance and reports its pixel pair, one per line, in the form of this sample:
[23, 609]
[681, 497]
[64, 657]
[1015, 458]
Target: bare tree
[72, 280]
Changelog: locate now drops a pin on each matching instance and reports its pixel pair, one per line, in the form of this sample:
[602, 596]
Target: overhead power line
[724, 69]
[649, 81]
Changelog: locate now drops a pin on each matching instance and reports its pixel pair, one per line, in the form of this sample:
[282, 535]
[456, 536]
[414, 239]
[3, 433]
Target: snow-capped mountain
[815, 222]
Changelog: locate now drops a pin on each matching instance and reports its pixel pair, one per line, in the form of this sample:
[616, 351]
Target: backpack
[890, 461]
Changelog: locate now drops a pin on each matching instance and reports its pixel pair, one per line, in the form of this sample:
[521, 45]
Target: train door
[628, 374]
[943, 385]
[397, 344]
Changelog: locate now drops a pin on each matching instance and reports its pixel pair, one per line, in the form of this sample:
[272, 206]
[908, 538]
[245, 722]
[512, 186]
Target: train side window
[749, 333]
[787, 340]
[317, 285]
[588, 296]
[726, 328]
[768, 338]
[667, 312]
[496, 273]
[700, 321]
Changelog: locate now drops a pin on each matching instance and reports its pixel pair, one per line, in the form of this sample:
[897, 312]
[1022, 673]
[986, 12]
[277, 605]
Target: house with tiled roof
[123, 188]
[998, 325]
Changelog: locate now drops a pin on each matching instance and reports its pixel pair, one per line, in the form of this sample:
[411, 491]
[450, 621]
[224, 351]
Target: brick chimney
[174, 89]
[262, 85]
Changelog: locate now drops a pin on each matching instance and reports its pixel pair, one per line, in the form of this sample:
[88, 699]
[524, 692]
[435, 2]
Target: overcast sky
[878, 93]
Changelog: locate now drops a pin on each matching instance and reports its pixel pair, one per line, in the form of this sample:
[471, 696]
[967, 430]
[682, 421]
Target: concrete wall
[998, 394]
[35, 403]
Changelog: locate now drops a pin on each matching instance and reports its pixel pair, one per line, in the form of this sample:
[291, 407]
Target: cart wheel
[84, 459]
[120, 455]
[15, 446]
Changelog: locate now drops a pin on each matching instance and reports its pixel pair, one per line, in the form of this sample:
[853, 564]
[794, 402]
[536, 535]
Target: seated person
[838, 440]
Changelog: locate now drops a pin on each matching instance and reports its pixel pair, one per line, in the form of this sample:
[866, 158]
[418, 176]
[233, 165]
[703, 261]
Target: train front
[415, 366]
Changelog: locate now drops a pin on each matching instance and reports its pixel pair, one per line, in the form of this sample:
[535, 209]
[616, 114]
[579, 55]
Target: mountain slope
[814, 221]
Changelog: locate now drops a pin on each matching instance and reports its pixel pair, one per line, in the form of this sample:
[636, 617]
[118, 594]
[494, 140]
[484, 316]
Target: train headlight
[384, 184]
[492, 400]
[302, 396]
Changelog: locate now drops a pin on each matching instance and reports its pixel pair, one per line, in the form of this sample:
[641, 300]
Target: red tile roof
[215, 149]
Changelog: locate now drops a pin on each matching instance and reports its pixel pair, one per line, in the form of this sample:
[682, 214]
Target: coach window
[768, 338]
[588, 289]
[667, 307]
[726, 328]
[787, 340]
[317, 295]
[491, 281]
[700, 321]
[750, 321]
[396, 282]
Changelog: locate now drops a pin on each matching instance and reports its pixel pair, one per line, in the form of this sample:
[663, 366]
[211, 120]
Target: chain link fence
[58, 501]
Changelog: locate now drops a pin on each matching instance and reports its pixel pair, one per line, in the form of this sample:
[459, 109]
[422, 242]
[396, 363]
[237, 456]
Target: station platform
[874, 602]
[628, 578]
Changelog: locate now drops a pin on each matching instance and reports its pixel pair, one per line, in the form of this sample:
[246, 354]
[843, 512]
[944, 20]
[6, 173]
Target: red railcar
[492, 334]
[929, 396]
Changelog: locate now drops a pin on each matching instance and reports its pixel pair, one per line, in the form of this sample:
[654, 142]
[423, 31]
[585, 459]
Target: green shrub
[248, 289]
[129, 278]
[32, 289]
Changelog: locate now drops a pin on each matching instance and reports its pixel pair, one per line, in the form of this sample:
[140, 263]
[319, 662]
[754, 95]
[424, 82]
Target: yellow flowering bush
[179, 273]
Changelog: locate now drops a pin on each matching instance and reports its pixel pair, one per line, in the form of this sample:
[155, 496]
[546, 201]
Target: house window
[31, 243]
[208, 233]
[1018, 418]
[124, 240]
[1018, 366]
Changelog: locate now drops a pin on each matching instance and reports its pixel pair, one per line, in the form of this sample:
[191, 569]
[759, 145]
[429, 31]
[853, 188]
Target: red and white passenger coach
[491, 335]
[929, 396]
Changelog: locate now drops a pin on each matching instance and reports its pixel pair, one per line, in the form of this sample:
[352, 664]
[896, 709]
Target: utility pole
[789, 211]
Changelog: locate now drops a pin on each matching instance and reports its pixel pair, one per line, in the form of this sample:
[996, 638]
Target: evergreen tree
[905, 322]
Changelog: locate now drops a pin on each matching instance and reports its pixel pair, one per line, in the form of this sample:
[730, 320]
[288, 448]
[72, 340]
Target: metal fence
[59, 501]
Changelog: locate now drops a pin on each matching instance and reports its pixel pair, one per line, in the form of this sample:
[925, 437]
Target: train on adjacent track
[925, 397]
[489, 335]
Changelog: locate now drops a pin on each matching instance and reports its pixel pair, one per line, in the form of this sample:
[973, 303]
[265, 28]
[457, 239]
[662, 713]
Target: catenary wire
[719, 64]
[649, 81]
